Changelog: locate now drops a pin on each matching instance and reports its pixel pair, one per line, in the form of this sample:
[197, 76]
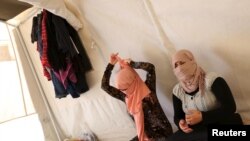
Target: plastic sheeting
[217, 32]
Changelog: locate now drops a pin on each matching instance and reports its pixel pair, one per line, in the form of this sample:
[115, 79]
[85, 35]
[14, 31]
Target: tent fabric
[11, 8]
[217, 32]
[58, 8]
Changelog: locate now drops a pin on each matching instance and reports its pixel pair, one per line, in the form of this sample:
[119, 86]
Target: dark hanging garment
[56, 57]
[68, 41]
[81, 85]
[62, 54]
[58, 86]
[39, 35]
[34, 29]
[62, 36]
[80, 47]
[36, 32]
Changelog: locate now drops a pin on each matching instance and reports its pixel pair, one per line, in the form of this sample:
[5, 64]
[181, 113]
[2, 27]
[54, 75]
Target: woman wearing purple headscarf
[198, 99]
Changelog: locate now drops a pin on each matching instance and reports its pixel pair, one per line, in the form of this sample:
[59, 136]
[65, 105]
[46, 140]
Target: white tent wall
[217, 32]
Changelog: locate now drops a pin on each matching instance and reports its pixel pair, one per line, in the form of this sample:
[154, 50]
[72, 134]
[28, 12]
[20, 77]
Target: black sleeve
[34, 32]
[150, 69]
[112, 91]
[227, 104]
[178, 111]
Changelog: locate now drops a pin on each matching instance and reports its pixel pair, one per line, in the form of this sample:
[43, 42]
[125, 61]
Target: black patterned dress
[156, 124]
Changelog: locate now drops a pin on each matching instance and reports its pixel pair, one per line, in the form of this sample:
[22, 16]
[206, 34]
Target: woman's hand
[193, 117]
[184, 126]
[113, 58]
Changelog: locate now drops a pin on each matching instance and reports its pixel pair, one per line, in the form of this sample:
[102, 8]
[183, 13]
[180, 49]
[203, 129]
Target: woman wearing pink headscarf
[199, 98]
[140, 98]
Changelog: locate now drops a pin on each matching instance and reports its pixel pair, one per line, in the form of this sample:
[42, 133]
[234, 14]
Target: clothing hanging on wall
[62, 54]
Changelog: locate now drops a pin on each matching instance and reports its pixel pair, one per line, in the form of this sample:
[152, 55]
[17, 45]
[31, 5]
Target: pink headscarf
[190, 75]
[135, 89]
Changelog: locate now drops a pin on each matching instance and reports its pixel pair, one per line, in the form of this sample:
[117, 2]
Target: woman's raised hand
[113, 58]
